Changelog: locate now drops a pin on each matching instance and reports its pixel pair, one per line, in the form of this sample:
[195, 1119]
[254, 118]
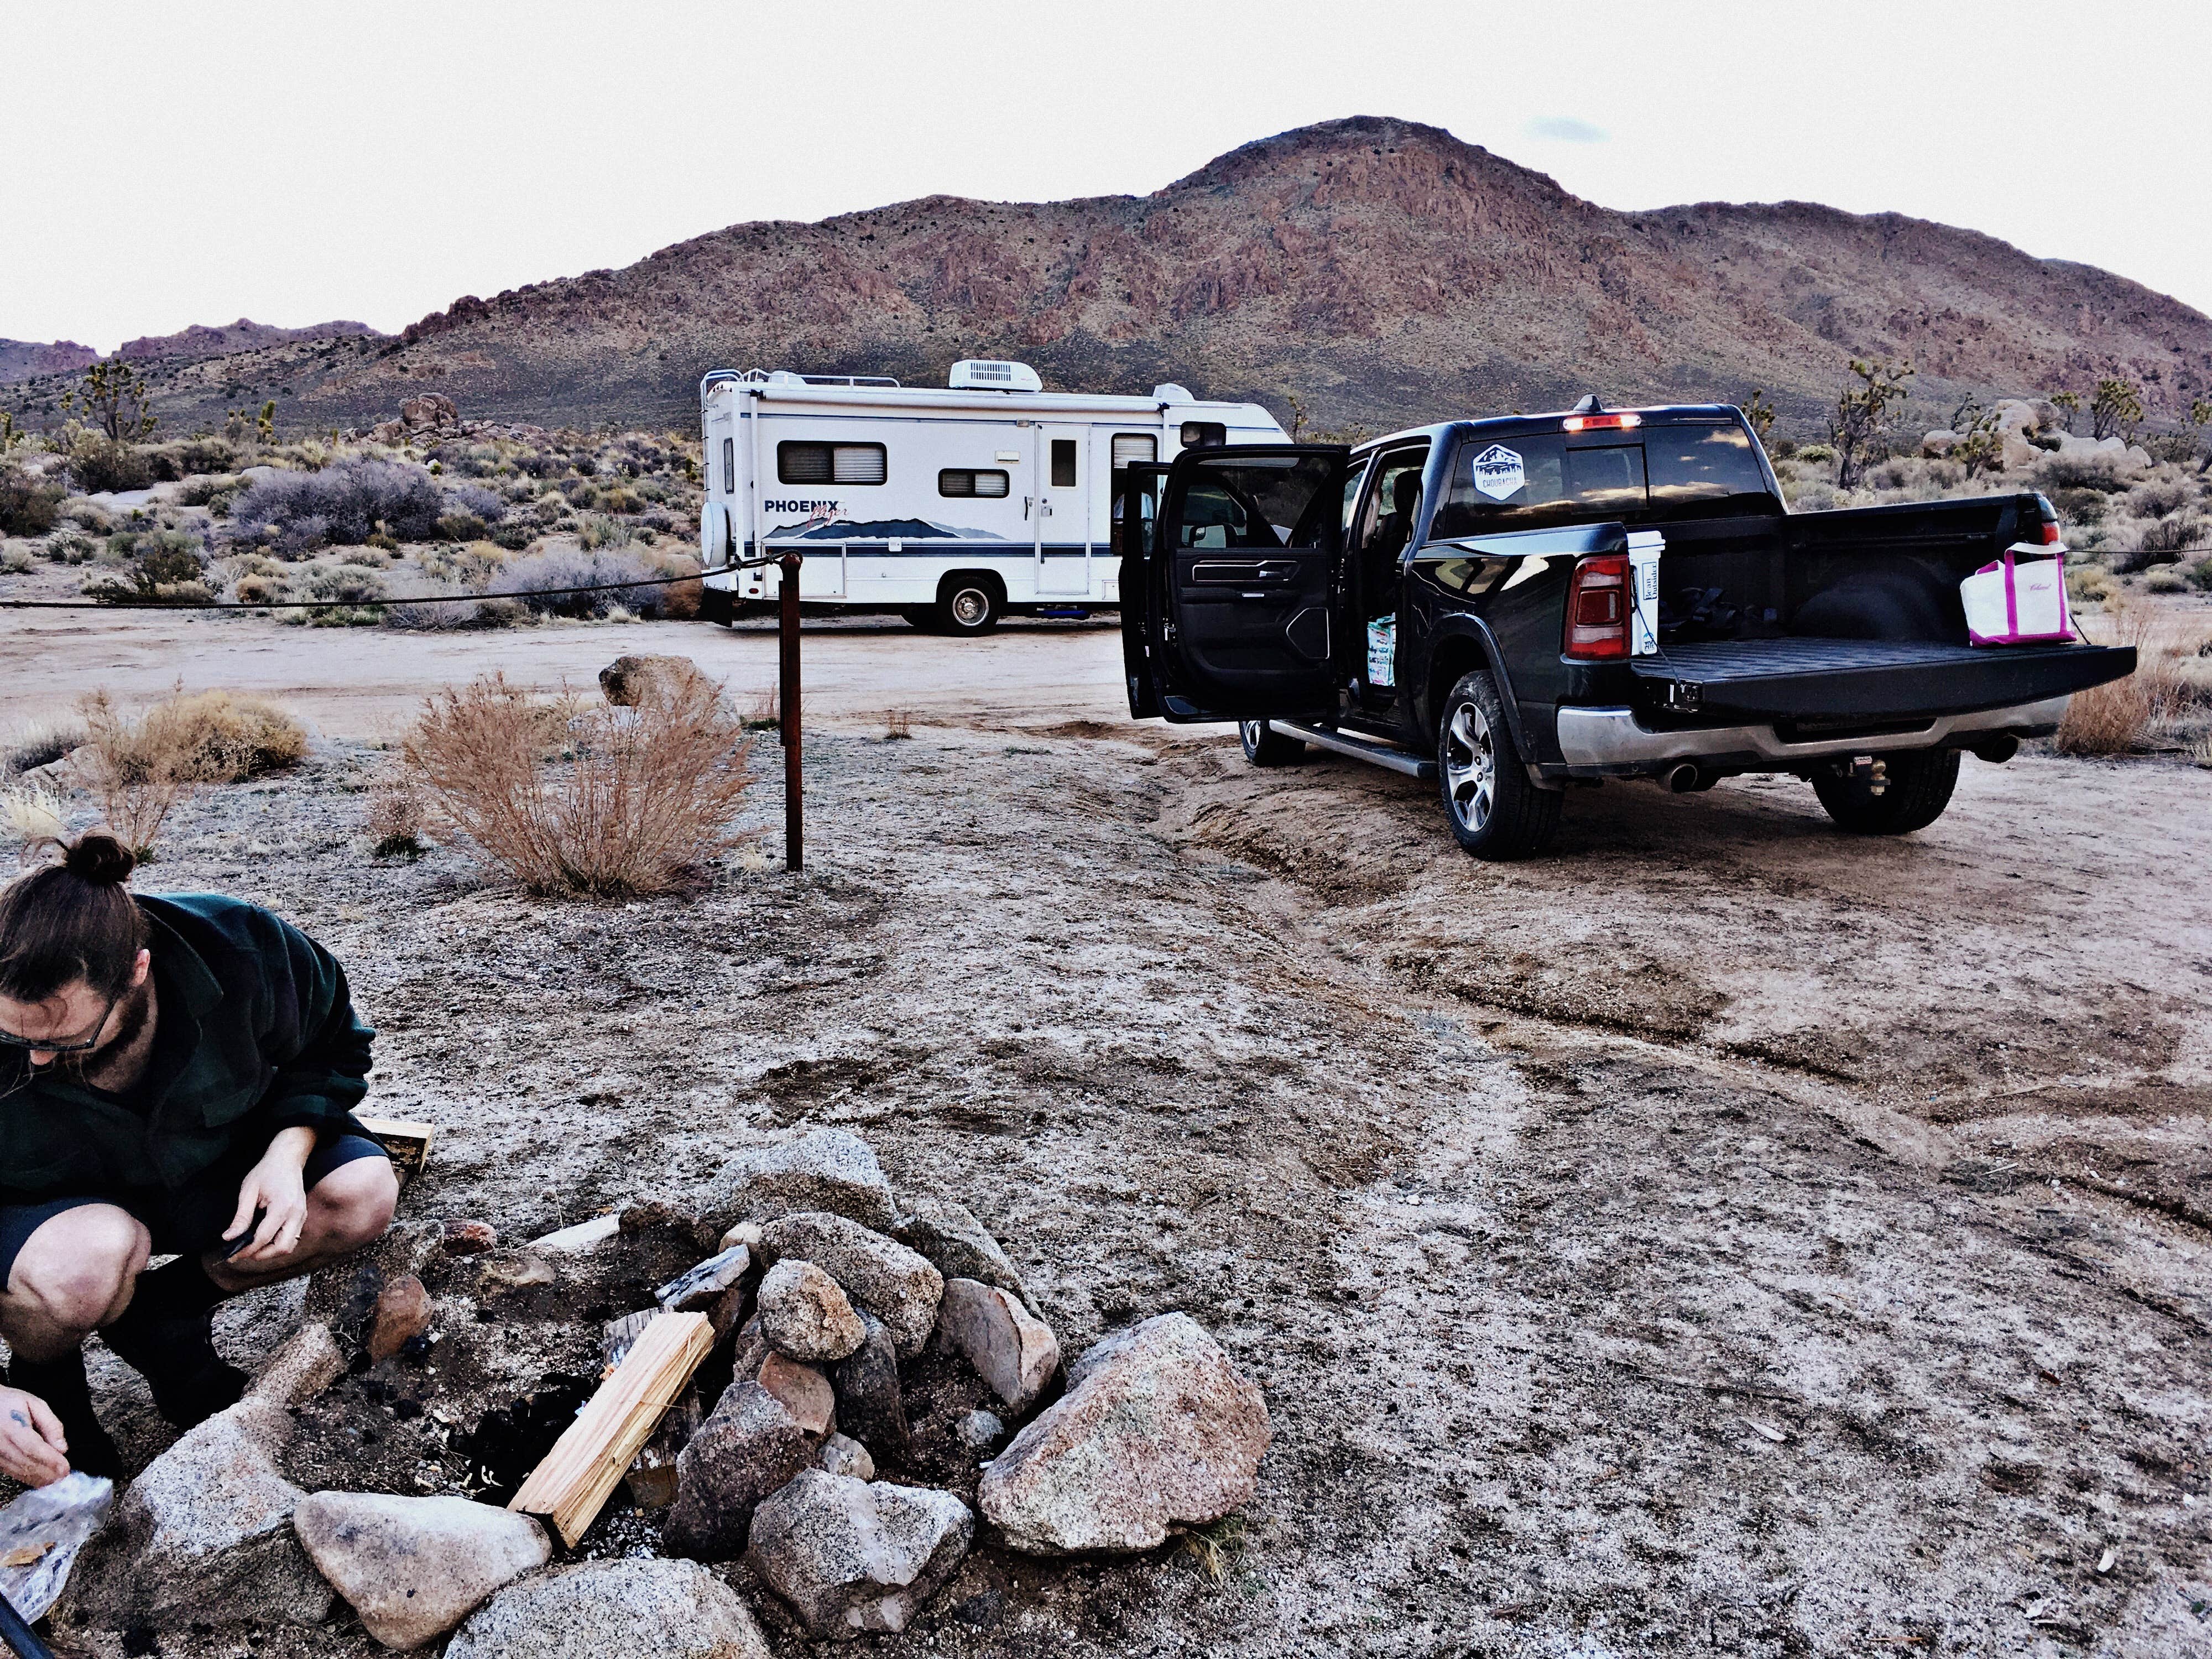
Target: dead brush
[222, 737]
[394, 819]
[764, 711]
[898, 723]
[633, 802]
[2113, 719]
[135, 782]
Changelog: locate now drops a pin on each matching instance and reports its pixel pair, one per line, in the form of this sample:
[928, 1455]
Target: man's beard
[133, 1014]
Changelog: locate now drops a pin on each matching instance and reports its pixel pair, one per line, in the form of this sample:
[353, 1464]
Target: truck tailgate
[1872, 680]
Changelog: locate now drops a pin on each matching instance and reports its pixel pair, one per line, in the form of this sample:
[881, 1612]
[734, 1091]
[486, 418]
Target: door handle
[1276, 571]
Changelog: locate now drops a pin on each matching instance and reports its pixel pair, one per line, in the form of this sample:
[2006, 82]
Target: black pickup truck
[1515, 607]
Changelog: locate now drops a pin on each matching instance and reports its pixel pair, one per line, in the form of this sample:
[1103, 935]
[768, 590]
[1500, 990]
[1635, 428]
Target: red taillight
[1598, 609]
[2050, 534]
[1599, 423]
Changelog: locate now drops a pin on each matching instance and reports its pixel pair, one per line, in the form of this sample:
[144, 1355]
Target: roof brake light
[1599, 422]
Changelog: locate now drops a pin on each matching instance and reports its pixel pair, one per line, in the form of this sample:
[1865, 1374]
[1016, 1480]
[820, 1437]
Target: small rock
[960, 1247]
[638, 1609]
[628, 679]
[894, 1283]
[1011, 1350]
[842, 1455]
[307, 1362]
[747, 1233]
[515, 1272]
[750, 1349]
[706, 1283]
[980, 1430]
[1157, 1428]
[829, 1170]
[469, 1238]
[804, 1392]
[403, 1313]
[650, 1214]
[749, 1447]
[1939, 442]
[205, 1531]
[803, 1313]
[619, 1336]
[584, 1235]
[415, 1567]
[869, 1402]
[853, 1556]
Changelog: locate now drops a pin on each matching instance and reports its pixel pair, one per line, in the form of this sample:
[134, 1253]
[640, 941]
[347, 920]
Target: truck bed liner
[1865, 679]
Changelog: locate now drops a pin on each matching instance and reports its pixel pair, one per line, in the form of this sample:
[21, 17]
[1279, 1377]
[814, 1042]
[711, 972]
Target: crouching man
[176, 1076]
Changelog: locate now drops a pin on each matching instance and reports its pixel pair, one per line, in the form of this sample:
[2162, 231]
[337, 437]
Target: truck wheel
[1918, 788]
[1265, 746]
[923, 617]
[968, 606]
[1494, 811]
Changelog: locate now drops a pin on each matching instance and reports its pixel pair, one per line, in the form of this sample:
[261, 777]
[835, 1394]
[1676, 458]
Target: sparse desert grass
[897, 723]
[637, 800]
[32, 812]
[39, 743]
[2115, 718]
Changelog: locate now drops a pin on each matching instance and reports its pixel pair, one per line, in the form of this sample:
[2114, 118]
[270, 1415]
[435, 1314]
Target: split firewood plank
[592, 1454]
[652, 1477]
[405, 1142]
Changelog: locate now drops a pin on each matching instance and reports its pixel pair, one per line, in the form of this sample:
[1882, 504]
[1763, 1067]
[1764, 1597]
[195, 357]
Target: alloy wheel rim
[1471, 767]
[969, 606]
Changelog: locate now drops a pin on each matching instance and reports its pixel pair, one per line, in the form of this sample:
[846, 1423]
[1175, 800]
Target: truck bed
[1802, 679]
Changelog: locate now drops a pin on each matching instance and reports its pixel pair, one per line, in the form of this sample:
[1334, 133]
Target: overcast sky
[186, 162]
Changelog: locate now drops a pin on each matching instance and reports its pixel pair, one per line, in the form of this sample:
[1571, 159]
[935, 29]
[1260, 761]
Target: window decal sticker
[1498, 473]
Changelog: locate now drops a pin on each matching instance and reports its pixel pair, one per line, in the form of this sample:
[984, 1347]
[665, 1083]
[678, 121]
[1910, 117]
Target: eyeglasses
[56, 1046]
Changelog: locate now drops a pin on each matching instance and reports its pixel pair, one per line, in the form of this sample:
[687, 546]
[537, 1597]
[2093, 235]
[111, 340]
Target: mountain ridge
[1380, 271]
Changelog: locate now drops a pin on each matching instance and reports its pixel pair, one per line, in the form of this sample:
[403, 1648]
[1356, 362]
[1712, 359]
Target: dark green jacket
[256, 1033]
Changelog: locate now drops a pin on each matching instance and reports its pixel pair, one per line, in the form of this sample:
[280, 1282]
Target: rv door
[1242, 582]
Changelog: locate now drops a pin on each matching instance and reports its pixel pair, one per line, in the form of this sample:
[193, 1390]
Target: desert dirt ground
[1718, 1236]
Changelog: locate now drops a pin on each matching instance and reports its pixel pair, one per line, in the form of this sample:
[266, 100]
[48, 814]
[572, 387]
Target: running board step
[1371, 749]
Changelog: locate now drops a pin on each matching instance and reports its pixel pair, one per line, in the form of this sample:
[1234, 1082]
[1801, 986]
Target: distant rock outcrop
[24, 360]
[244, 335]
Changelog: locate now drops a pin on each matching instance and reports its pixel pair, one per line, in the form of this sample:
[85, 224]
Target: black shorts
[191, 1218]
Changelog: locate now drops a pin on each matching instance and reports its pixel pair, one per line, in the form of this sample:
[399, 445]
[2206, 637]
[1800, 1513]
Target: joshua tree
[264, 424]
[114, 394]
[2117, 408]
[1760, 414]
[1862, 415]
[2067, 403]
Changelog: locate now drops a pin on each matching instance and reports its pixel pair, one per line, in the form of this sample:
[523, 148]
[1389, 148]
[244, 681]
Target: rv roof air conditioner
[1169, 393]
[990, 375]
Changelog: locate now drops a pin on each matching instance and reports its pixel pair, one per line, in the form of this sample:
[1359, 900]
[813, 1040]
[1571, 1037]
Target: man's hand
[31, 1440]
[273, 1186]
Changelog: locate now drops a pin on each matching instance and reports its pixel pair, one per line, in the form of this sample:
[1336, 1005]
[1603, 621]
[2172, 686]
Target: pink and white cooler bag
[2020, 599]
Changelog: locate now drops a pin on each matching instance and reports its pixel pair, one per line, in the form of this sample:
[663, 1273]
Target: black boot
[167, 1335]
[61, 1384]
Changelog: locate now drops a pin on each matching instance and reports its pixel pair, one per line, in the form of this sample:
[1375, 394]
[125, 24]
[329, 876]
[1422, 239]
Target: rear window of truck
[1525, 483]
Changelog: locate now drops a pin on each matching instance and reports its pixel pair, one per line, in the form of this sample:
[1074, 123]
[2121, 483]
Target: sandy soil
[1719, 1236]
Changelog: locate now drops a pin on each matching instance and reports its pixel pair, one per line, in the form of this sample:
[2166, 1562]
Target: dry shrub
[764, 711]
[394, 819]
[221, 737]
[40, 743]
[135, 784]
[897, 723]
[2111, 719]
[635, 800]
[33, 812]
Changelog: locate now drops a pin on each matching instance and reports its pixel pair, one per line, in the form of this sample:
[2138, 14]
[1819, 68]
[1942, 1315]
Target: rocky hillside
[1382, 271]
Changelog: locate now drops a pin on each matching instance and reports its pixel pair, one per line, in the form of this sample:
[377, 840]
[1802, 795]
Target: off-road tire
[1918, 788]
[1493, 808]
[1265, 746]
[970, 605]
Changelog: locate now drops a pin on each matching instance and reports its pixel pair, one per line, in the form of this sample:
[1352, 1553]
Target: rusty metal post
[787, 638]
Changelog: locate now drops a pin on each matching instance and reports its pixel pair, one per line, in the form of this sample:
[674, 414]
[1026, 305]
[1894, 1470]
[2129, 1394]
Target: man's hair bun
[98, 857]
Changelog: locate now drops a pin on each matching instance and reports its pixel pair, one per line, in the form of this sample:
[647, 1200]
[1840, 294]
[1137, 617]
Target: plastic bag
[1382, 651]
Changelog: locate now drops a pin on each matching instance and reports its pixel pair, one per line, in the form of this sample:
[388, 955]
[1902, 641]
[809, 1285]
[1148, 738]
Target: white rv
[951, 506]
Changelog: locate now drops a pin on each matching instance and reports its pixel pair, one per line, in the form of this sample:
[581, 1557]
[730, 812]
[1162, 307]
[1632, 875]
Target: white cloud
[1566, 129]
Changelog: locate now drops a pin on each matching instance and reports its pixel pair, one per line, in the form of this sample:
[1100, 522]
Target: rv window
[1135, 446]
[729, 467]
[844, 464]
[1200, 434]
[966, 481]
[1063, 463]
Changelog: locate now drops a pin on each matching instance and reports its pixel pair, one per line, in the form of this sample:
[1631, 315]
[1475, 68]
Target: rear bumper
[1612, 742]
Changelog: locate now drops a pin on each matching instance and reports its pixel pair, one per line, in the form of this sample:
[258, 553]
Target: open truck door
[1231, 613]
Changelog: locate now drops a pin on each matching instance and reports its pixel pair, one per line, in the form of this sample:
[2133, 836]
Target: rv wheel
[969, 606]
[919, 616]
